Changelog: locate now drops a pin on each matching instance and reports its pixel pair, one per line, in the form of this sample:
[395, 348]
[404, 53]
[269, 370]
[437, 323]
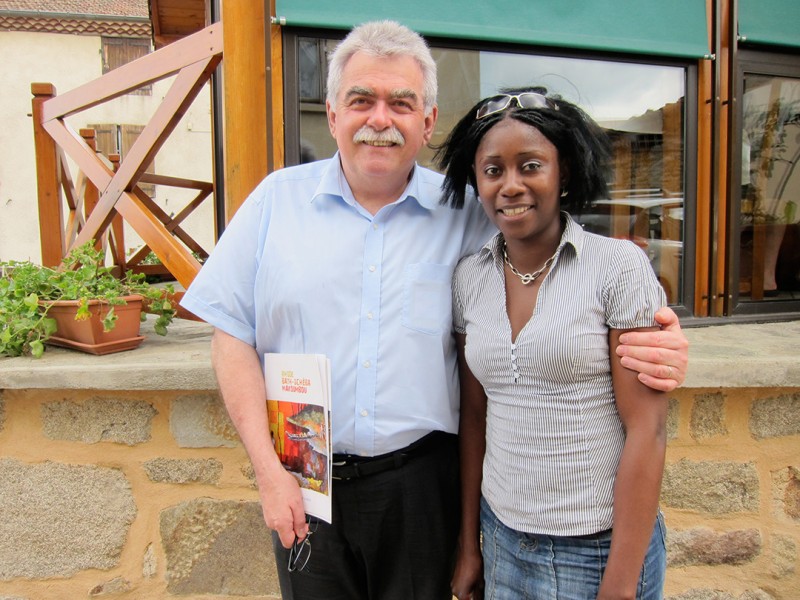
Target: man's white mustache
[369, 136]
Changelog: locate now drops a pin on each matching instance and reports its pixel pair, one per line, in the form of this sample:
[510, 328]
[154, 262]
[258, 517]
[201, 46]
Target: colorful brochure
[298, 407]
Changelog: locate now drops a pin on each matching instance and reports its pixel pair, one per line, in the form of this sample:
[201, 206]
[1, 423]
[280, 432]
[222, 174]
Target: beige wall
[68, 61]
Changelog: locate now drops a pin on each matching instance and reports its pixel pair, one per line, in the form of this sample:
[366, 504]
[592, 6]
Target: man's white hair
[382, 39]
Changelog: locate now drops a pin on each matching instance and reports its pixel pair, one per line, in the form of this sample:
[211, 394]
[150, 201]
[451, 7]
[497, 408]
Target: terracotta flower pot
[87, 335]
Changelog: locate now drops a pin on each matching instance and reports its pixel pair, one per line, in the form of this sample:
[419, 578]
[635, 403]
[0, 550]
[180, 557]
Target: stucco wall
[68, 61]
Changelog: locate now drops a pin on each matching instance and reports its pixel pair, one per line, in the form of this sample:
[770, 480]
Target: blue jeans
[544, 567]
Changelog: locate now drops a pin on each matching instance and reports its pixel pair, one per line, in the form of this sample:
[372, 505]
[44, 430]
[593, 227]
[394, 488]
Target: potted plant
[79, 305]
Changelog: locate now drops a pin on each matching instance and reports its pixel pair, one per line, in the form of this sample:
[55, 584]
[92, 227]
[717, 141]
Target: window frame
[753, 61]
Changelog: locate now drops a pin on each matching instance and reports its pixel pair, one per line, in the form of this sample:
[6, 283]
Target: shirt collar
[573, 235]
[333, 183]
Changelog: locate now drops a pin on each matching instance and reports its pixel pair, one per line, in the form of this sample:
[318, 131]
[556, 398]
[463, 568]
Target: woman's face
[519, 180]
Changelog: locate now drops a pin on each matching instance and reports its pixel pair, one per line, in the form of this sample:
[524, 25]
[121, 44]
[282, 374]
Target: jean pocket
[427, 297]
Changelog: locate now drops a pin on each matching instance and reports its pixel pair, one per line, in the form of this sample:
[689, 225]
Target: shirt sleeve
[223, 292]
[459, 326]
[632, 292]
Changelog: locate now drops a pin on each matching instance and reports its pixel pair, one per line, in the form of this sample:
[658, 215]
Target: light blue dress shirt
[303, 268]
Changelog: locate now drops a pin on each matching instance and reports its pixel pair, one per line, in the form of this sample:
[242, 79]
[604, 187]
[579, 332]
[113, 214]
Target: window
[641, 105]
[767, 230]
[313, 70]
[119, 51]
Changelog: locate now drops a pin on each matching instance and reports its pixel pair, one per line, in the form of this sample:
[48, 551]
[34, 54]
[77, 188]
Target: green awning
[772, 22]
[676, 28]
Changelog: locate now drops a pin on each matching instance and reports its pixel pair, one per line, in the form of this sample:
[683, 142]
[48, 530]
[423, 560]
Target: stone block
[711, 487]
[149, 562]
[707, 594]
[702, 594]
[775, 417]
[99, 420]
[708, 416]
[201, 421]
[786, 492]
[702, 546]
[118, 585]
[58, 519]
[673, 418]
[218, 547]
[188, 470]
[784, 555]
[250, 474]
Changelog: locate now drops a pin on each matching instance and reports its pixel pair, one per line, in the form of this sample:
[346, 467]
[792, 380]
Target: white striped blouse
[553, 435]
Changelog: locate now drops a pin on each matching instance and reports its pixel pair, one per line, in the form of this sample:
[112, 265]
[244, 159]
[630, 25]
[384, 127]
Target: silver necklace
[527, 278]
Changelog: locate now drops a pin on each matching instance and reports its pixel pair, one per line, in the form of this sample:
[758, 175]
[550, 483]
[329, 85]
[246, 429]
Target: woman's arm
[643, 412]
[467, 582]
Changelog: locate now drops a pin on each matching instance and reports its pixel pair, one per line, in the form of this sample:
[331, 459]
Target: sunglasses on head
[503, 101]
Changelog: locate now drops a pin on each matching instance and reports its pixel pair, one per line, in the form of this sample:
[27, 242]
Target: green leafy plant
[27, 289]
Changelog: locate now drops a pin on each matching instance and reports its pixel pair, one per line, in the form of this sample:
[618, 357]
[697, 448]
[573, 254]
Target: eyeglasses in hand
[300, 551]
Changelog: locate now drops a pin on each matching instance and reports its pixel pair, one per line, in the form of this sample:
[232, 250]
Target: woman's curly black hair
[584, 150]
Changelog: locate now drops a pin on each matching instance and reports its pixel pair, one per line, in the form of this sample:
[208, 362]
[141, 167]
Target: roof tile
[115, 8]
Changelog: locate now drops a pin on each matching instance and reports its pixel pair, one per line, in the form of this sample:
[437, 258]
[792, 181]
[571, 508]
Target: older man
[352, 257]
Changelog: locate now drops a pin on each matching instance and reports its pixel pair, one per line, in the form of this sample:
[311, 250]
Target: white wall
[68, 61]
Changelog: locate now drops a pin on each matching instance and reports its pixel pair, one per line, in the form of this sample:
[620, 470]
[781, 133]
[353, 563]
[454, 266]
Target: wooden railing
[93, 204]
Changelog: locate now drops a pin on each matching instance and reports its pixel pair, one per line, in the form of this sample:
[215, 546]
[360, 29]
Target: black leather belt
[352, 466]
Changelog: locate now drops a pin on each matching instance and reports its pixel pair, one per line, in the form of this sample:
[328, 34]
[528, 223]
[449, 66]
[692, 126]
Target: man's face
[379, 121]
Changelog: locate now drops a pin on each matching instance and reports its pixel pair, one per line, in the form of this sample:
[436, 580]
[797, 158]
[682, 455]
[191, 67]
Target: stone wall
[127, 495]
[122, 477]
[731, 494]
[148, 494]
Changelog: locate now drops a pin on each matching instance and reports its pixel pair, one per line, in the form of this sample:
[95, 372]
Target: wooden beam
[152, 67]
[51, 232]
[278, 155]
[178, 260]
[245, 97]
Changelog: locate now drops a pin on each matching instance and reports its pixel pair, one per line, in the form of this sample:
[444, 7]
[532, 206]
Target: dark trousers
[393, 535]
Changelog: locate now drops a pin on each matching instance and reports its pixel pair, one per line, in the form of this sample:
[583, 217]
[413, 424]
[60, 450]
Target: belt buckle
[339, 463]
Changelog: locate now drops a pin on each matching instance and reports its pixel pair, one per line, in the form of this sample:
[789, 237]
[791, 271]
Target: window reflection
[769, 240]
[641, 106]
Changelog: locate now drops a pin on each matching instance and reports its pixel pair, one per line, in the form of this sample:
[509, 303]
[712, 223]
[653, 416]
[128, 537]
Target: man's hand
[282, 507]
[237, 366]
[660, 357]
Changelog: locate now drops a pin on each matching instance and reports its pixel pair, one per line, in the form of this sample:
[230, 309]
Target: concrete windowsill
[734, 356]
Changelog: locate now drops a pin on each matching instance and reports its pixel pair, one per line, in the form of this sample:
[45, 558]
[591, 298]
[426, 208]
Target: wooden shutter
[120, 51]
[128, 135]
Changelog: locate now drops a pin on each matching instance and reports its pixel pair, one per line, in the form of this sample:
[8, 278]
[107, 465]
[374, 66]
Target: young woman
[562, 448]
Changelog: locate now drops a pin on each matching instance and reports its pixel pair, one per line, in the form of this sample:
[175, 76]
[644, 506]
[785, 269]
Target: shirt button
[370, 315]
[514, 366]
[372, 268]
[375, 226]
[367, 364]
[364, 412]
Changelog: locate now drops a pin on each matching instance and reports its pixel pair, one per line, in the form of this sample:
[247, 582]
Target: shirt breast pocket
[427, 297]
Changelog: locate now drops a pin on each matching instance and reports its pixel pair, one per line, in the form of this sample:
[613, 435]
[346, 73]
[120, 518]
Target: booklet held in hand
[298, 407]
